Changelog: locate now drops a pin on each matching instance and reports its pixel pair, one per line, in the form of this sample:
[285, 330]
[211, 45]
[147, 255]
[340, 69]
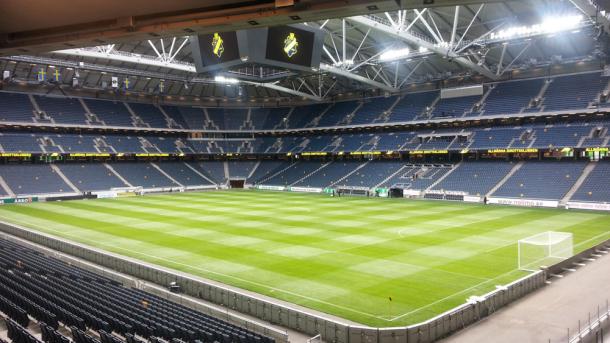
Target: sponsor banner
[18, 200]
[306, 189]
[512, 151]
[428, 152]
[523, 202]
[471, 198]
[365, 153]
[271, 188]
[152, 155]
[105, 194]
[589, 206]
[597, 149]
[89, 155]
[15, 154]
[314, 153]
[410, 192]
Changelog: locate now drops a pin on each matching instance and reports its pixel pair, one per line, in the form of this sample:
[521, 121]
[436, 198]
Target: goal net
[544, 249]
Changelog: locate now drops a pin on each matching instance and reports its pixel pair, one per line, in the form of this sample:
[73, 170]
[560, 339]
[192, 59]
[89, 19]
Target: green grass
[343, 256]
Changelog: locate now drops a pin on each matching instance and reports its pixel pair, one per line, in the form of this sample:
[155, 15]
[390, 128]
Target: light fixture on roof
[394, 54]
[227, 80]
[548, 26]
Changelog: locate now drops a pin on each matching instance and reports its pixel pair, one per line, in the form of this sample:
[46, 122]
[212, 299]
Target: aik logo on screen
[217, 45]
[291, 45]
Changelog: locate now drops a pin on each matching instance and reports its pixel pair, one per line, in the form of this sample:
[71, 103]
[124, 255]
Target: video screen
[290, 45]
[218, 47]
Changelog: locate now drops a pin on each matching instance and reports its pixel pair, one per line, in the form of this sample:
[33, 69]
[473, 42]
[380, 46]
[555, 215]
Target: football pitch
[343, 256]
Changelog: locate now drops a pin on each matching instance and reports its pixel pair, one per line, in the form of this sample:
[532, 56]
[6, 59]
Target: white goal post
[544, 249]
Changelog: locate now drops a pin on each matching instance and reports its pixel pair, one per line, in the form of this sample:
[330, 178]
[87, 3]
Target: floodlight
[227, 80]
[394, 54]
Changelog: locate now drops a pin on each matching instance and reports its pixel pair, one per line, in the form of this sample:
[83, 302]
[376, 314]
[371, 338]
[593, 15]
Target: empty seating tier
[54, 292]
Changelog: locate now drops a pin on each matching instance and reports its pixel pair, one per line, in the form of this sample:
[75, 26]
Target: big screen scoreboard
[217, 49]
[290, 46]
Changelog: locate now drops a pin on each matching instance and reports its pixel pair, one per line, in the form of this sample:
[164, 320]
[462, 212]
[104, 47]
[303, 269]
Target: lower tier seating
[91, 177]
[53, 292]
[596, 187]
[542, 180]
[28, 179]
[528, 179]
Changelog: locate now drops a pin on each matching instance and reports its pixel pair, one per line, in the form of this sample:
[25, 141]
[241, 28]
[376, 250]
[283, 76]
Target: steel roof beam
[356, 77]
[437, 48]
[279, 88]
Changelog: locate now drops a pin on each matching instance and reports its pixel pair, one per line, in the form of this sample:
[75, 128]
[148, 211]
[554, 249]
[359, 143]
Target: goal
[544, 249]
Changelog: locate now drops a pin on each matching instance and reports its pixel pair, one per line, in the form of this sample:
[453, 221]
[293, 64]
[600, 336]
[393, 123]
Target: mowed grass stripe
[344, 256]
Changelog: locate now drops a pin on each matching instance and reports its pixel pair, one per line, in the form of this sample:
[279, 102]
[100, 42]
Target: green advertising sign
[18, 200]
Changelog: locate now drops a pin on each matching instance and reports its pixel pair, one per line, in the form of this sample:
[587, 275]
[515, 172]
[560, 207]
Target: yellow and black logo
[217, 45]
[291, 45]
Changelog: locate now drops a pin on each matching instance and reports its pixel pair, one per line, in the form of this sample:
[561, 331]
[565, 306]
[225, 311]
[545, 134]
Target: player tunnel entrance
[237, 183]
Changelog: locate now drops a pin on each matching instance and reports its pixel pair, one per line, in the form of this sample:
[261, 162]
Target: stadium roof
[378, 47]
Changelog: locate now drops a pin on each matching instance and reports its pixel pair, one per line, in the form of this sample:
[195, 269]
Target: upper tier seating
[173, 113]
[476, 178]
[27, 179]
[571, 92]
[337, 113]
[53, 292]
[372, 109]
[150, 114]
[412, 105]
[142, 174]
[511, 97]
[268, 118]
[90, 176]
[596, 187]
[228, 119]
[302, 115]
[112, 113]
[191, 117]
[454, 107]
[541, 180]
[16, 107]
[62, 110]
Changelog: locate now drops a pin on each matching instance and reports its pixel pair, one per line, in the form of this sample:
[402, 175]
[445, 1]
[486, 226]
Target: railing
[593, 329]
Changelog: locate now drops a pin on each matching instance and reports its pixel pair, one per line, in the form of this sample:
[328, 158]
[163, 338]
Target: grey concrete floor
[546, 315]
